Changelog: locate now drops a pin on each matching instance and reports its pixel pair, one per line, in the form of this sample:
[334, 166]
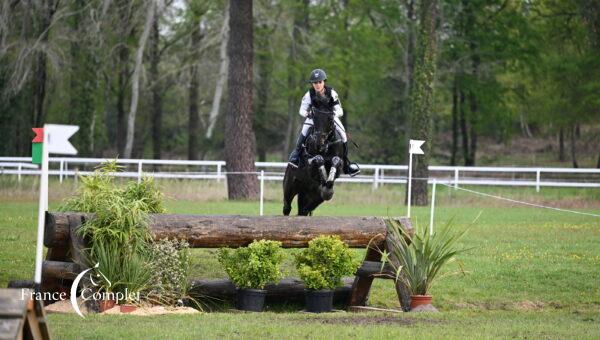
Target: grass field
[533, 272]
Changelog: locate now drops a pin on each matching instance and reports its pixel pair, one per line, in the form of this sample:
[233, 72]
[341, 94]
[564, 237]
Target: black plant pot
[250, 299]
[319, 301]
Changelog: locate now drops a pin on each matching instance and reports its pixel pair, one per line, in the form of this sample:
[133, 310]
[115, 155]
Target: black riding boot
[295, 155]
[351, 169]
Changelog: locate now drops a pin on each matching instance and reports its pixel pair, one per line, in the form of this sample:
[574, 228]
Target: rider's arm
[337, 107]
[305, 106]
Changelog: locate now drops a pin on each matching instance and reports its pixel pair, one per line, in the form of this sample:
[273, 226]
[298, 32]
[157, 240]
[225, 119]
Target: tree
[422, 96]
[83, 82]
[239, 139]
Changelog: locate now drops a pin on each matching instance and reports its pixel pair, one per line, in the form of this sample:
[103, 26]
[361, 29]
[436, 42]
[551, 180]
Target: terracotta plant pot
[127, 308]
[104, 305]
[418, 300]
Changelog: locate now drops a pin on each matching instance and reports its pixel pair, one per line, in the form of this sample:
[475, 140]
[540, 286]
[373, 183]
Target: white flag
[415, 147]
[57, 138]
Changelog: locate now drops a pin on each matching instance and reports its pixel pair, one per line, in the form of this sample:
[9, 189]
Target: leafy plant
[253, 266]
[421, 257]
[170, 267]
[120, 214]
[323, 264]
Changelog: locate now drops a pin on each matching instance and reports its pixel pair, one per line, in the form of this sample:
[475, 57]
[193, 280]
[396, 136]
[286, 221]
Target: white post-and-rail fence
[273, 171]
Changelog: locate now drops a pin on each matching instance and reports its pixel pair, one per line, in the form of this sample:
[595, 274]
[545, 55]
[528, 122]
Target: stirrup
[353, 169]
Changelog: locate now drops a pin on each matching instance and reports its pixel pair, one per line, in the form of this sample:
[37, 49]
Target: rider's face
[318, 85]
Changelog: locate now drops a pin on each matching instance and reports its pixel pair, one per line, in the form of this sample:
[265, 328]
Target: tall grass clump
[120, 241]
[120, 214]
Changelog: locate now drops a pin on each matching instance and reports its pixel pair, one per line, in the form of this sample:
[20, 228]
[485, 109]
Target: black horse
[320, 164]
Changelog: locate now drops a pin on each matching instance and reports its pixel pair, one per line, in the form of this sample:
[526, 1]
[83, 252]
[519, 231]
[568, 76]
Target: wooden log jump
[237, 231]
[65, 244]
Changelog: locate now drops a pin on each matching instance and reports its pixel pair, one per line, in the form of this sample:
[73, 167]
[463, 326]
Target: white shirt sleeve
[337, 109]
[305, 105]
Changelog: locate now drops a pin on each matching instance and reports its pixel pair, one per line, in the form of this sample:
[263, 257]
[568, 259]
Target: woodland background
[149, 78]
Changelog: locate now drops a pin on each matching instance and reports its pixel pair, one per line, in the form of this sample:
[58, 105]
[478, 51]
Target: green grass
[534, 272]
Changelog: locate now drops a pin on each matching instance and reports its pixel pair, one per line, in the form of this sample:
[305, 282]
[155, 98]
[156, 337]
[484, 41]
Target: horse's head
[323, 127]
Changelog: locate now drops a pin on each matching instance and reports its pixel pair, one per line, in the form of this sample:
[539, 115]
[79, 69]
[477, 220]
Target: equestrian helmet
[317, 75]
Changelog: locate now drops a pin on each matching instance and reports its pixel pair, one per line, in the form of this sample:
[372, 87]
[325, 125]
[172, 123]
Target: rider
[322, 97]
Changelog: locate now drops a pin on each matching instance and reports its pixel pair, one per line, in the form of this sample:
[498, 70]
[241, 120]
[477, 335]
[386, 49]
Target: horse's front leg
[318, 162]
[336, 164]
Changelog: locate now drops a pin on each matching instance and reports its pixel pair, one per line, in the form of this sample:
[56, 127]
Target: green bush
[422, 256]
[253, 266]
[323, 264]
[170, 262]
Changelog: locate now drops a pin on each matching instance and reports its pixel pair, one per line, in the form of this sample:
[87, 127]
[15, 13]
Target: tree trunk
[125, 34]
[454, 149]
[262, 120]
[573, 147]
[239, 139]
[153, 10]
[422, 97]
[48, 7]
[193, 113]
[409, 65]
[156, 89]
[121, 93]
[300, 25]
[223, 69]
[83, 82]
[473, 128]
[561, 145]
[463, 128]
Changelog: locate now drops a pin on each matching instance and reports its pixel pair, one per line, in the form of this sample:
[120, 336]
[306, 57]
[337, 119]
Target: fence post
[537, 180]
[455, 178]
[219, 172]
[140, 171]
[19, 172]
[375, 178]
[432, 207]
[262, 190]
[60, 171]
[382, 176]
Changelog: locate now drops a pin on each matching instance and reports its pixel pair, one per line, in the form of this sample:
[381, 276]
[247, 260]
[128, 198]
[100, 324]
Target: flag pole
[414, 148]
[409, 183]
[43, 206]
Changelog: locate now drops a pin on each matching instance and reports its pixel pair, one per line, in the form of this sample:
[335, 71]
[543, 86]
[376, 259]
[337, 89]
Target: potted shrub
[321, 266]
[421, 258]
[250, 269]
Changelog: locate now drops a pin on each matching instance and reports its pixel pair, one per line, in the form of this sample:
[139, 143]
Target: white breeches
[338, 126]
